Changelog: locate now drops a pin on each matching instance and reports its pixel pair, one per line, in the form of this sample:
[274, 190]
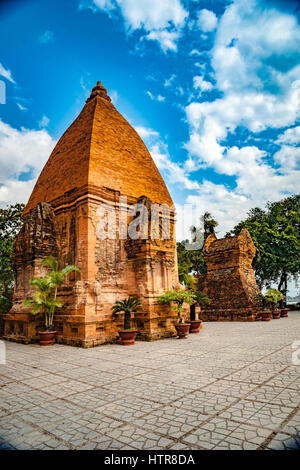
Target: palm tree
[131, 304]
[209, 224]
[45, 294]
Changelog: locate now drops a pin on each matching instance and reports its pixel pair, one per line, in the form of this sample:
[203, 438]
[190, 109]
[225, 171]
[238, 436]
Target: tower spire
[98, 90]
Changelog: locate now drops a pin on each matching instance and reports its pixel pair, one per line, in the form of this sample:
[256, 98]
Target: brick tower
[99, 161]
[230, 281]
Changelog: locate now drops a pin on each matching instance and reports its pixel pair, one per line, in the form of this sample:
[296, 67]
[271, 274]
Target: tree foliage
[177, 297]
[10, 223]
[276, 236]
[192, 262]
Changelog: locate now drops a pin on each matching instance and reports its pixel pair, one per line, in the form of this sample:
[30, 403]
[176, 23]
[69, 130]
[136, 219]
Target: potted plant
[177, 298]
[201, 299]
[272, 298]
[127, 306]
[265, 313]
[284, 312]
[44, 298]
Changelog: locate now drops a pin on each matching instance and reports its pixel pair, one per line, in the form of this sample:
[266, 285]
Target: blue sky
[212, 86]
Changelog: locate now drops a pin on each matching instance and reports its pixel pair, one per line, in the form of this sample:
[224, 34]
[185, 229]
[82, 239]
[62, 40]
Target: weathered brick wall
[230, 281]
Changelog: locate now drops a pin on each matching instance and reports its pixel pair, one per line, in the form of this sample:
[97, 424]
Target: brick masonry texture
[232, 386]
[99, 158]
[230, 281]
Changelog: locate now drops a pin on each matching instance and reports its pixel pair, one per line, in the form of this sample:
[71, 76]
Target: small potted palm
[176, 298]
[127, 306]
[44, 298]
[201, 299]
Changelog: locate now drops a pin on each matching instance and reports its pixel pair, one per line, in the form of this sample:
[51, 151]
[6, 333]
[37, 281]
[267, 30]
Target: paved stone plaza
[233, 386]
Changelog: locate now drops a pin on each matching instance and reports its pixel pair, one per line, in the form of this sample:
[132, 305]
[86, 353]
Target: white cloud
[155, 97]
[243, 44]
[145, 132]
[195, 52]
[257, 94]
[114, 95]
[172, 172]
[21, 151]
[288, 157]
[175, 173]
[161, 20]
[6, 73]
[207, 20]
[290, 136]
[21, 107]
[169, 81]
[167, 39]
[201, 84]
[152, 14]
[44, 121]
[47, 36]
[14, 191]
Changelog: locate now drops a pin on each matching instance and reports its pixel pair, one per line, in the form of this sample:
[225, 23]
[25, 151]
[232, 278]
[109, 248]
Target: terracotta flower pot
[195, 326]
[127, 337]
[276, 314]
[47, 338]
[266, 315]
[182, 330]
[284, 312]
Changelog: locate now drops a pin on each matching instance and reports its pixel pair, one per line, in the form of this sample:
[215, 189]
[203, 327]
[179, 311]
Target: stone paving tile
[230, 387]
[204, 439]
[221, 426]
[19, 372]
[128, 409]
[284, 442]
[232, 443]
[39, 416]
[12, 425]
[293, 426]
[13, 404]
[93, 398]
[250, 434]
[88, 426]
[37, 440]
[140, 438]
[160, 393]
[241, 411]
[4, 380]
[270, 416]
[205, 403]
[44, 381]
[98, 379]
[171, 423]
[186, 381]
[68, 388]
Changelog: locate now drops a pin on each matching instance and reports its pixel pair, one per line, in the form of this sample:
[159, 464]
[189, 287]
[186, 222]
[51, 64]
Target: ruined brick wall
[230, 281]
